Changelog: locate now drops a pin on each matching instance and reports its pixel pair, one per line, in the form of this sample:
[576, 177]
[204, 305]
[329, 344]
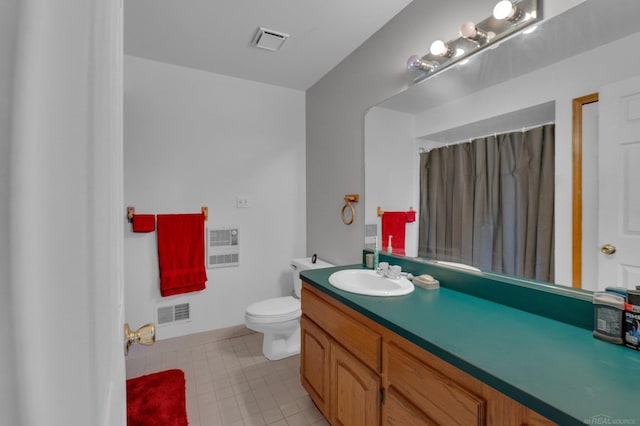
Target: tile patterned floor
[229, 382]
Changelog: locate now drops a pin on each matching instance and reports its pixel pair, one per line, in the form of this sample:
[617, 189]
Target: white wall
[196, 139]
[336, 106]
[8, 384]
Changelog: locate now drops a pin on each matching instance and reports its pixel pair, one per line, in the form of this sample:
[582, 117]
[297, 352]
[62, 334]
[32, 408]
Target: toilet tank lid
[304, 263]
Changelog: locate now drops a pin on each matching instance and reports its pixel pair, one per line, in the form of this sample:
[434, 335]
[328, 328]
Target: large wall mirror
[526, 81]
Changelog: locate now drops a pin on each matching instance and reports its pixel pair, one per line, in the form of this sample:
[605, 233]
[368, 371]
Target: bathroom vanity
[446, 357]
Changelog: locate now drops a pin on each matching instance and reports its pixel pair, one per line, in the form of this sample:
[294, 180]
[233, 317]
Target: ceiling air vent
[268, 39]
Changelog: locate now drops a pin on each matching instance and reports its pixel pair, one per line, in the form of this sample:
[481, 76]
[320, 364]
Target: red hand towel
[181, 253]
[393, 223]
[144, 222]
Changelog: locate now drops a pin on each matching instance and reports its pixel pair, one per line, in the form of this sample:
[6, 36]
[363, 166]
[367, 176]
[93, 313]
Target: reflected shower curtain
[489, 203]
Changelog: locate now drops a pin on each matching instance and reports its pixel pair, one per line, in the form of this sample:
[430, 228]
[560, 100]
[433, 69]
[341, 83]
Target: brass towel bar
[380, 212]
[131, 211]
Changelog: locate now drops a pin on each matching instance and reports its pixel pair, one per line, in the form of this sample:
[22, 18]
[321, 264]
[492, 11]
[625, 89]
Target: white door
[66, 215]
[107, 213]
[619, 184]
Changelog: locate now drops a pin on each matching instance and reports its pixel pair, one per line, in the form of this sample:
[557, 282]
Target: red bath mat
[157, 399]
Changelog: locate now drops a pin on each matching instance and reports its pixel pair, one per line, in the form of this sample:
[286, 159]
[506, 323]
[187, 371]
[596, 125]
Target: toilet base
[280, 340]
[277, 346]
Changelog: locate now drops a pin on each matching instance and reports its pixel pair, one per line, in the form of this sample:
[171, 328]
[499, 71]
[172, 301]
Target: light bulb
[440, 48]
[469, 31]
[415, 62]
[504, 10]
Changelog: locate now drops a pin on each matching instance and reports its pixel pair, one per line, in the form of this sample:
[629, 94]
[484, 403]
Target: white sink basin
[367, 282]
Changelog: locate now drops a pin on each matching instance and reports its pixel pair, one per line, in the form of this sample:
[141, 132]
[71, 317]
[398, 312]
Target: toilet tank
[302, 264]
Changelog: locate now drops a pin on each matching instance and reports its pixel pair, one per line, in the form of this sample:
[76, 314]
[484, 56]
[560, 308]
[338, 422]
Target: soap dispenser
[376, 255]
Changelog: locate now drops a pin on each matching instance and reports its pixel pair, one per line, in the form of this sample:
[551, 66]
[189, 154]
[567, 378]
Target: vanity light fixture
[507, 18]
[415, 62]
[505, 10]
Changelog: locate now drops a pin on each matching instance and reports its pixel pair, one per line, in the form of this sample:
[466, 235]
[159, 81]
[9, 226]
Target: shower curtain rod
[422, 150]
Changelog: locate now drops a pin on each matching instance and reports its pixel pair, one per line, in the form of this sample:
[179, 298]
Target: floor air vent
[222, 248]
[173, 313]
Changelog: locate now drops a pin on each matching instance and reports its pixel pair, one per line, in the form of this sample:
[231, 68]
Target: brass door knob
[608, 249]
[145, 335]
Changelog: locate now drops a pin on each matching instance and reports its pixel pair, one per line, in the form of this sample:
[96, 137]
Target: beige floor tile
[228, 380]
[230, 415]
[272, 415]
[289, 409]
[254, 420]
[297, 419]
[249, 409]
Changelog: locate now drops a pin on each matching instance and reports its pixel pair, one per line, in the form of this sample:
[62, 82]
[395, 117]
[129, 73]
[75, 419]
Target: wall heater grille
[173, 314]
[370, 234]
[370, 229]
[222, 248]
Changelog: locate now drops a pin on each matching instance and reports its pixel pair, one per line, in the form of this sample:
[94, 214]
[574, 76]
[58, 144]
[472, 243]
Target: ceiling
[216, 35]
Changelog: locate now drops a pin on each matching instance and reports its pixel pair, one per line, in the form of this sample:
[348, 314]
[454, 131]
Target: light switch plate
[242, 202]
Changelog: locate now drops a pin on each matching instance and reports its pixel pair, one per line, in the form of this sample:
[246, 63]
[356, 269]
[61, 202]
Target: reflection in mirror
[585, 189]
[502, 90]
[488, 203]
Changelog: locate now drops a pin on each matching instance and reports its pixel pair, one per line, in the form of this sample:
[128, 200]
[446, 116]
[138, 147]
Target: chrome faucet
[392, 272]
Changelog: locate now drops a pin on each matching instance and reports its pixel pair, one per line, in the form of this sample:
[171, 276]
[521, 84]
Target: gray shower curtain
[489, 203]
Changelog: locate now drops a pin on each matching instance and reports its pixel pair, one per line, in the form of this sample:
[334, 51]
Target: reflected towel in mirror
[393, 224]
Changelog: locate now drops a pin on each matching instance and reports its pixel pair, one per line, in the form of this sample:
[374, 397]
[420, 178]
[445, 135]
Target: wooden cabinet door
[438, 396]
[314, 363]
[355, 391]
[397, 411]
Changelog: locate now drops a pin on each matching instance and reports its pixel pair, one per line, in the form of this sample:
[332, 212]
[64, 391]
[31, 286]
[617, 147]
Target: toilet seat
[278, 309]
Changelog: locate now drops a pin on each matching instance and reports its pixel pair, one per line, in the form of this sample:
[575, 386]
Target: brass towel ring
[353, 213]
[352, 198]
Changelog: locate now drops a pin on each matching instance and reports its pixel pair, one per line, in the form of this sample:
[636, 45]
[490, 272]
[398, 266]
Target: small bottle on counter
[376, 255]
[608, 310]
[632, 320]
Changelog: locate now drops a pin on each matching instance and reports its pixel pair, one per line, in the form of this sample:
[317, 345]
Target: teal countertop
[554, 368]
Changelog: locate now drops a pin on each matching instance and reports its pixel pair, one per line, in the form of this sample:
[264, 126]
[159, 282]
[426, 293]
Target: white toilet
[279, 318]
